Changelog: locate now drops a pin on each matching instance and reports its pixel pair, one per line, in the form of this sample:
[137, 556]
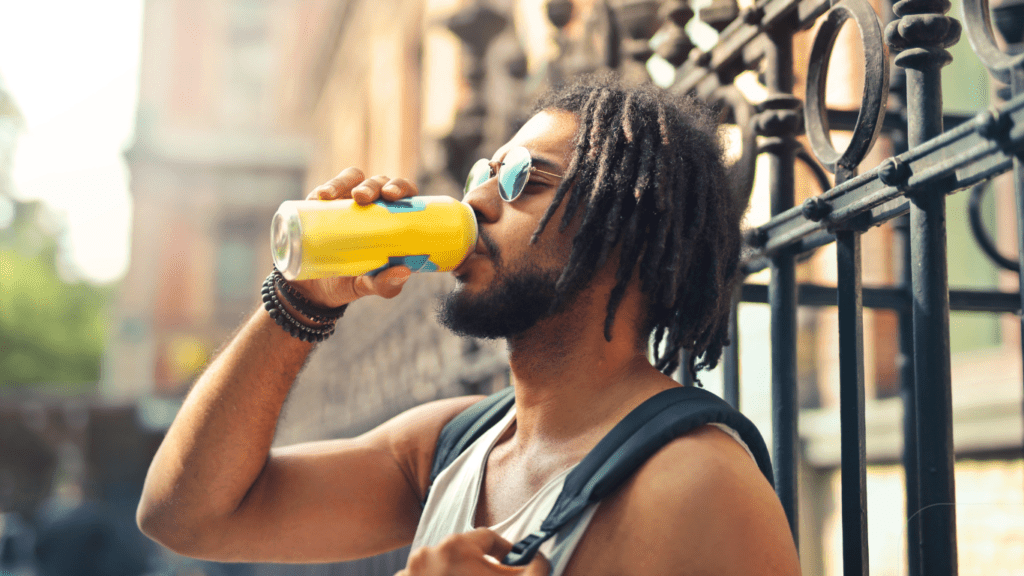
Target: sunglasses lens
[478, 174]
[514, 172]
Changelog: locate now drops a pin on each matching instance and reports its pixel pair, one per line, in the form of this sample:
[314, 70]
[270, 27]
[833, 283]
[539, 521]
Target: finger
[363, 286]
[338, 187]
[489, 542]
[389, 283]
[369, 190]
[386, 284]
[398, 188]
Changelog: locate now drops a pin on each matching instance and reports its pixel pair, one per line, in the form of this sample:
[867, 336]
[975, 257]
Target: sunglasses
[513, 173]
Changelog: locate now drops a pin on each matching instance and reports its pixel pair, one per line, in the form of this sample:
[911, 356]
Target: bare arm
[215, 489]
[217, 446]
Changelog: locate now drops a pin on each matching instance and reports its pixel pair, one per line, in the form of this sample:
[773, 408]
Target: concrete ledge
[987, 415]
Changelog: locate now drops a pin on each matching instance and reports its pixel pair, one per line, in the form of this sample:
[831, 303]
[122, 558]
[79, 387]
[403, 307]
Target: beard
[514, 303]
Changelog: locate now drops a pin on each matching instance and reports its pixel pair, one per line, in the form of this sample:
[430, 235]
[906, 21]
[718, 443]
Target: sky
[72, 68]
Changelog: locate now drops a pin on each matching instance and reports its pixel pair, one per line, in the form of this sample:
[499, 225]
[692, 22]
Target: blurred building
[211, 159]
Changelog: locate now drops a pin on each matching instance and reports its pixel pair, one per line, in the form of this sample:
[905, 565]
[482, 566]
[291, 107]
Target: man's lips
[486, 246]
[482, 249]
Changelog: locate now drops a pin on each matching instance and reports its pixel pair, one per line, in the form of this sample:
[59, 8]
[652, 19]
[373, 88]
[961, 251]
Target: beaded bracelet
[288, 322]
[318, 314]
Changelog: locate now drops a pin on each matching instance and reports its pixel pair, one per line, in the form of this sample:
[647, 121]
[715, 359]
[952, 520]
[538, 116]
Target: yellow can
[325, 238]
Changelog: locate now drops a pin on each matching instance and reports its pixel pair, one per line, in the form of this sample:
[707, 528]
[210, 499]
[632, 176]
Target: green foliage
[51, 332]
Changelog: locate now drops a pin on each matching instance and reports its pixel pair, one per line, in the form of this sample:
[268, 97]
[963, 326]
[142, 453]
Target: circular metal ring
[819, 174]
[741, 173]
[981, 234]
[978, 22]
[876, 86]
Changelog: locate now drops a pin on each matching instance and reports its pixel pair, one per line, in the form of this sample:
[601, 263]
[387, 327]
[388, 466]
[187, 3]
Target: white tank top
[452, 503]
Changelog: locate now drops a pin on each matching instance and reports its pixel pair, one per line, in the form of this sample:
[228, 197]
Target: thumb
[539, 566]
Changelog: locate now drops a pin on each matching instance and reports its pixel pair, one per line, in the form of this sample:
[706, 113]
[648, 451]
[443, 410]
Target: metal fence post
[1018, 183]
[905, 362]
[731, 356]
[780, 122]
[851, 404]
[923, 54]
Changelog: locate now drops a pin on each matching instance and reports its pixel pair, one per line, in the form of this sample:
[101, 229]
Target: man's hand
[351, 183]
[476, 553]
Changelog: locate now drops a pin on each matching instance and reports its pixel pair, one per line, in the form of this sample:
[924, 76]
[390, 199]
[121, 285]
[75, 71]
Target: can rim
[476, 232]
[286, 240]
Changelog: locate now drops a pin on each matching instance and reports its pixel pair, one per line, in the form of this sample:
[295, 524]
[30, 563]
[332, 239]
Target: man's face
[508, 285]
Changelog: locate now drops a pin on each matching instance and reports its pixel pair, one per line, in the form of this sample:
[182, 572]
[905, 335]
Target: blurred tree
[51, 331]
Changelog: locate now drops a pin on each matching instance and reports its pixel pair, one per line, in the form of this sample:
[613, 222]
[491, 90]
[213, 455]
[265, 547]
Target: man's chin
[502, 311]
[460, 312]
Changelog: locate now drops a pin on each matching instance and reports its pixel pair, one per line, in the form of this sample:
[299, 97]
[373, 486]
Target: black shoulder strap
[659, 420]
[469, 425]
[656, 422]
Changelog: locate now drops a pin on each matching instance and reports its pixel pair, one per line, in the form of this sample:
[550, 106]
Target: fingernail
[398, 280]
[390, 188]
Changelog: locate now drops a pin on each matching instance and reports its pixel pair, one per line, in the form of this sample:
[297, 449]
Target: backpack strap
[659, 420]
[465, 428]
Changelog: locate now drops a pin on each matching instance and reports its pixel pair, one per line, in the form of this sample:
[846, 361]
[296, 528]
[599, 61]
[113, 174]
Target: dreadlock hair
[648, 177]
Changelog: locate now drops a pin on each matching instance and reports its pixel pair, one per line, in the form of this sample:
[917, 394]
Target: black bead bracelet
[291, 324]
[318, 314]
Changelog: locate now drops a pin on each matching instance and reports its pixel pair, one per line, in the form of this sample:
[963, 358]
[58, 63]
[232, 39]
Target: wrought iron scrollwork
[876, 88]
[676, 44]
[979, 33]
[604, 31]
[985, 242]
[922, 33]
[816, 170]
[476, 26]
[779, 121]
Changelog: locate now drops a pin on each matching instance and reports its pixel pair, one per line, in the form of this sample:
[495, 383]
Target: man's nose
[484, 200]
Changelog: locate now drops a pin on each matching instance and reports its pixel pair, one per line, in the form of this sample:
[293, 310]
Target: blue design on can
[415, 263]
[403, 205]
[418, 263]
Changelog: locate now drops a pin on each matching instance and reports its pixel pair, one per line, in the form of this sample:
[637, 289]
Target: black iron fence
[910, 187]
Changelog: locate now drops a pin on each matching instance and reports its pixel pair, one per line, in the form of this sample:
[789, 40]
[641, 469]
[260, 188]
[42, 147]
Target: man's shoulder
[693, 473]
[705, 453]
[699, 505]
[411, 436]
[434, 414]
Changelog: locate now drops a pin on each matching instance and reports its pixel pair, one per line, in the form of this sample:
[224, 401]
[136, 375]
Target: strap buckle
[524, 550]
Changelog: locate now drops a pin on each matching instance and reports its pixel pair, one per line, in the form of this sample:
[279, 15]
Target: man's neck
[571, 384]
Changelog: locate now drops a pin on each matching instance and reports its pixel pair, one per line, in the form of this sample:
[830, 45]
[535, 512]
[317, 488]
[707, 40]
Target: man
[618, 226]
